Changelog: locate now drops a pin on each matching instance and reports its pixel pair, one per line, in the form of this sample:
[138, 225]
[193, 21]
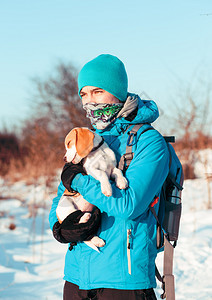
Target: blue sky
[164, 44]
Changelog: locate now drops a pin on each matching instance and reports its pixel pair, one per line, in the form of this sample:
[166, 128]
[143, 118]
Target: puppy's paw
[107, 190]
[97, 241]
[107, 193]
[85, 218]
[122, 183]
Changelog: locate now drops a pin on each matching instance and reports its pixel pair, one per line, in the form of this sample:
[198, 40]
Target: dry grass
[40, 154]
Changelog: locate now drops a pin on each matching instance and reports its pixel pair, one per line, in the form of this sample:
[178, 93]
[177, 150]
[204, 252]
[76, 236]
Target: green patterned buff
[102, 114]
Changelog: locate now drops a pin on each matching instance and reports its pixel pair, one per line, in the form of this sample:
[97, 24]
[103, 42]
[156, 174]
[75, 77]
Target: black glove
[70, 231]
[70, 170]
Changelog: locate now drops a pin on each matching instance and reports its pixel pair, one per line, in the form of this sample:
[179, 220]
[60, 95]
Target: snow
[32, 262]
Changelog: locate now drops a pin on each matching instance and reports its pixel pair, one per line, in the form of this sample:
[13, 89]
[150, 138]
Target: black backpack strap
[172, 178]
[132, 140]
[169, 139]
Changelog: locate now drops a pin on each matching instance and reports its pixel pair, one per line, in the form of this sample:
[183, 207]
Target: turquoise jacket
[127, 261]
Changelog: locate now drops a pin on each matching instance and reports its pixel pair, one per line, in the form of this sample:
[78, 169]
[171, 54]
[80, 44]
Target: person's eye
[98, 92]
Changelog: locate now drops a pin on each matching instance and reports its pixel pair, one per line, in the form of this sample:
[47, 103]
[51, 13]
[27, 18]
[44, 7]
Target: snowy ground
[31, 261]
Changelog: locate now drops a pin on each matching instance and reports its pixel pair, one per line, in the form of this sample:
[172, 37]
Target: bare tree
[192, 121]
[56, 98]
[55, 109]
[191, 112]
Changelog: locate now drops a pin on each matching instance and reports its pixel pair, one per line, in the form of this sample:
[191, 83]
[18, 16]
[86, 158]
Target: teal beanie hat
[106, 72]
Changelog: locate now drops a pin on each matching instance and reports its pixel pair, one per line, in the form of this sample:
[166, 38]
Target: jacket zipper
[129, 245]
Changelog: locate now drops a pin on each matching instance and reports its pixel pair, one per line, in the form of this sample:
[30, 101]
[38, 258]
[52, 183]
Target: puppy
[99, 162]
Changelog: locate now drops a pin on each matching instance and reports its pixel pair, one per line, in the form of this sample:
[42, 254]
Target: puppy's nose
[65, 159]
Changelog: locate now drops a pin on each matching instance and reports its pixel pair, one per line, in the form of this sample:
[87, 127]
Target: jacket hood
[135, 111]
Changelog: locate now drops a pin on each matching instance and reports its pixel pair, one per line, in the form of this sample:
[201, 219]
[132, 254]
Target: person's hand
[70, 170]
[70, 230]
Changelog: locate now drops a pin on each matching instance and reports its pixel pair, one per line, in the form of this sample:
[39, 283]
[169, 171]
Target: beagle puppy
[99, 159]
[99, 162]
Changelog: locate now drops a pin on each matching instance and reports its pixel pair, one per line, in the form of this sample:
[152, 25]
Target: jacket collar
[147, 112]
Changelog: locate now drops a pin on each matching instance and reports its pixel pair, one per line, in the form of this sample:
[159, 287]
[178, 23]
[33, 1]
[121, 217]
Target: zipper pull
[129, 238]
[129, 244]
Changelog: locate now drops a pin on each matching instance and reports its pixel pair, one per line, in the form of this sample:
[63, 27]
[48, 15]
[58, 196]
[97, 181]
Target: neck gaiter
[102, 114]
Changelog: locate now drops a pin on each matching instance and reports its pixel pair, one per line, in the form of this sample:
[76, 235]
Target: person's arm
[52, 215]
[146, 174]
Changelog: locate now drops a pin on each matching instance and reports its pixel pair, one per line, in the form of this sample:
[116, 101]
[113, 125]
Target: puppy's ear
[84, 141]
[71, 138]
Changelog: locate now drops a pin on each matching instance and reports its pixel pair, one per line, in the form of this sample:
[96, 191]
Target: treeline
[38, 149]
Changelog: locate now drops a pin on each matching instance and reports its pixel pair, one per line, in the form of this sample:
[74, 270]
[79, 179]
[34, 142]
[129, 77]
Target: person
[125, 267]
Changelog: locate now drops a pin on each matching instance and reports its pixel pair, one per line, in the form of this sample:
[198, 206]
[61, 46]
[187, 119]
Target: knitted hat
[106, 72]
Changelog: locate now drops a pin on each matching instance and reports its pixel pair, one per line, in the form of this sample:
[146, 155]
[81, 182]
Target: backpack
[170, 206]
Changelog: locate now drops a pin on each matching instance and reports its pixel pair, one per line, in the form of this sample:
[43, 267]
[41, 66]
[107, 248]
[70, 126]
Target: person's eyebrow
[95, 89]
[92, 90]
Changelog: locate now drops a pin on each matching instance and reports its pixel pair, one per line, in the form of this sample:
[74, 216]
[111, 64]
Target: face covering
[102, 114]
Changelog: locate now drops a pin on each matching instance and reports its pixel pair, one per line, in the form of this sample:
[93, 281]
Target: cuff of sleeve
[79, 182]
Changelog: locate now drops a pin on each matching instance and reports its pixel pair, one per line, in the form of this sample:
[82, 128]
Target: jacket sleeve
[52, 215]
[146, 174]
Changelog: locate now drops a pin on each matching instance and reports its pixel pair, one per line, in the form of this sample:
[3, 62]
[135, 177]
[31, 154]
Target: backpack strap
[172, 178]
[168, 276]
[126, 158]
[169, 139]
[167, 279]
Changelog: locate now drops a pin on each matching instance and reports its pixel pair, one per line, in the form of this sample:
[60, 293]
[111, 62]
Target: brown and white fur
[99, 162]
